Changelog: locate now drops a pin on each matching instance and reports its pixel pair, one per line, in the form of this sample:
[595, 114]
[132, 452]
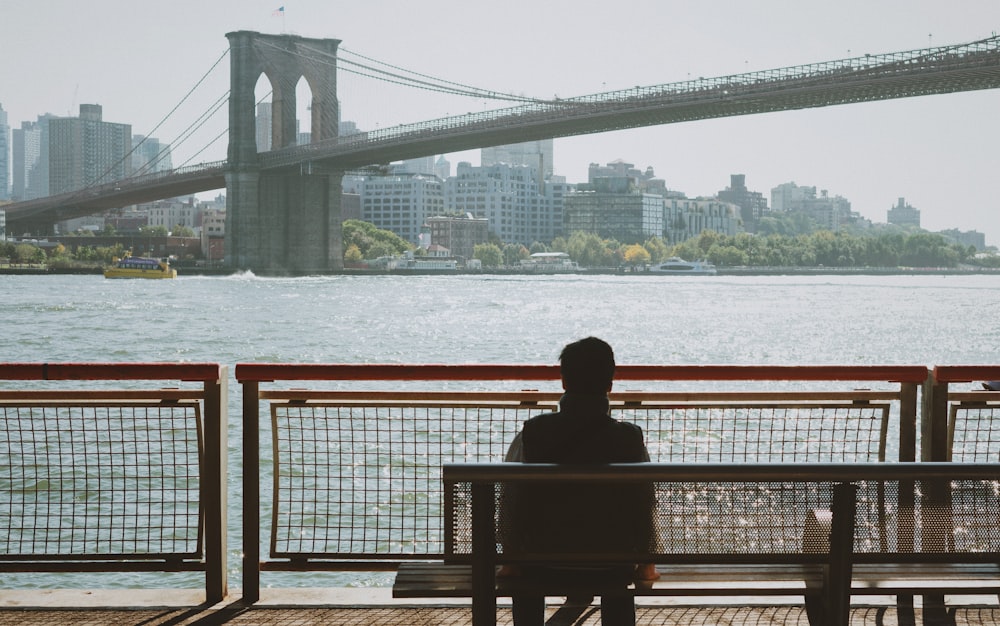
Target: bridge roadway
[949, 69]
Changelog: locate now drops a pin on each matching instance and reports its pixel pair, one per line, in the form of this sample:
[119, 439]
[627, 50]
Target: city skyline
[936, 151]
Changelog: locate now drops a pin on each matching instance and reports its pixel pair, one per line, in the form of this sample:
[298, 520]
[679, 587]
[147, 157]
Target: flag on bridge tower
[279, 12]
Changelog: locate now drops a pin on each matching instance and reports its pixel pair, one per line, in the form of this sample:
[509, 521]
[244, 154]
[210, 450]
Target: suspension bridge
[283, 205]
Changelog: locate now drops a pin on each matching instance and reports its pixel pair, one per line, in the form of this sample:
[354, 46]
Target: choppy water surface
[857, 320]
[473, 319]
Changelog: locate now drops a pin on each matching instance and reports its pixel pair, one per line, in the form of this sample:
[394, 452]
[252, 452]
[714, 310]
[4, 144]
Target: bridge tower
[284, 221]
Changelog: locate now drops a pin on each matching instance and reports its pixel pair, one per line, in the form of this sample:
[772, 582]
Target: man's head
[587, 366]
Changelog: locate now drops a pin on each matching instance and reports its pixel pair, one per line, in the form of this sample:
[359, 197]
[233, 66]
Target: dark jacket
[580, 517]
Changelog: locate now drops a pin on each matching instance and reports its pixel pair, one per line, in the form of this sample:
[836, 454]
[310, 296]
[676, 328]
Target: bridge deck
[949, 69]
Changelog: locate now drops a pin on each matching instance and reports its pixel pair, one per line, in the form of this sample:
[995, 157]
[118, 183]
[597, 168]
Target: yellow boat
[140, 267]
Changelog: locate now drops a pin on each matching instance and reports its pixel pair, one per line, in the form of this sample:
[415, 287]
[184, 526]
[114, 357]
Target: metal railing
[125, 479]
[121, 475]
[355, 469]
[962, 426]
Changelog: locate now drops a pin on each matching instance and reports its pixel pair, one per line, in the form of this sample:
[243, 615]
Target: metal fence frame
[906, 381]
[203, 383]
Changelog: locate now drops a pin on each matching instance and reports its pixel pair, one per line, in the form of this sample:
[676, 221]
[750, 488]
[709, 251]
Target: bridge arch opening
[303, 111]
[262, 112]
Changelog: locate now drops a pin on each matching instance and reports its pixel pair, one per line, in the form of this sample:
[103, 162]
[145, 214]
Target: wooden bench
[821, 531]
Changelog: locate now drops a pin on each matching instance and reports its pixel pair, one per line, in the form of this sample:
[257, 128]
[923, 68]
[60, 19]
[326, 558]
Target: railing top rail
[112, 371]
[717, 472]
[965, 373]
[269, 372]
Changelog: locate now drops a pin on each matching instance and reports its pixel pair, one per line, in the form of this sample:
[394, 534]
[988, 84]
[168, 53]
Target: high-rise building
[614, 208]
[263, 121]
[25, 158]
[753, 204]
[826, 211]
[150, 156]
[419, 165]
[535, 154]
[4, 156]
[442, 168]
[903, 214]
[401, 203]
[30, 159]
[86, 150]
[684, 218]
[790, 197]
[520, 208]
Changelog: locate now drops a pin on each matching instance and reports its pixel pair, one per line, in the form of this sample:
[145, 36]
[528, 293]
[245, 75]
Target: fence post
[214, 487]
[484, 547]
[251, 492]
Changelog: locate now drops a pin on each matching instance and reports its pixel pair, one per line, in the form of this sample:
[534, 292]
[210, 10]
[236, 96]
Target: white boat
[549, 263]
[677, 265]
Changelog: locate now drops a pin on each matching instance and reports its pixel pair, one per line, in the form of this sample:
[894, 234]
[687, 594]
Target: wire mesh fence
[100, 480]
[355, 481]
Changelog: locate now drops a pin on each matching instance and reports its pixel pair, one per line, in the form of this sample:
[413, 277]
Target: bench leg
[815, 610]
[904, 611]
[936, 612]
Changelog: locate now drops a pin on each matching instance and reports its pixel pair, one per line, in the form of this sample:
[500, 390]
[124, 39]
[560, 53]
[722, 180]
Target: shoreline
[722, 271]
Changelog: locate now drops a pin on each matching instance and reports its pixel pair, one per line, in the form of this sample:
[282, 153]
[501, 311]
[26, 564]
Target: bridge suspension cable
[401, 76]
[431, 84]
[214, 108]
[186, 133]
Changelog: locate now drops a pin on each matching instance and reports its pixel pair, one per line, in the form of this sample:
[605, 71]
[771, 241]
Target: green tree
[513, 253]
[727, 255]
[636, 254]
[657, 249]
[27, 253]
[589, 250]
[373, 242]
[353, 254]
[489, 253]
[182, 231]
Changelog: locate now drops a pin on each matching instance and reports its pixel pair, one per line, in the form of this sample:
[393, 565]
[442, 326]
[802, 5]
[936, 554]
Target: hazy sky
[138, 59]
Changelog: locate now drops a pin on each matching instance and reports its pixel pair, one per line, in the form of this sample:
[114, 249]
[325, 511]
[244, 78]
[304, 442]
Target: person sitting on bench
[574, 518]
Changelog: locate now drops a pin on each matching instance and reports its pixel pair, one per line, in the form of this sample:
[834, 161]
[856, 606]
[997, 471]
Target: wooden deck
[434, 616]
[375, 607]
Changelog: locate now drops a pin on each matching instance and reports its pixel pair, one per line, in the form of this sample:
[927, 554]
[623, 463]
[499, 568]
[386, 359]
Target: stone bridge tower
[284, 221]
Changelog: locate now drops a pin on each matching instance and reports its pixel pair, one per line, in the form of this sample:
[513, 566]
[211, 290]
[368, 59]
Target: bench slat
[440, 580]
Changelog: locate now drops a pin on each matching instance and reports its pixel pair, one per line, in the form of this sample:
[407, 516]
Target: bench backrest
[723, 513]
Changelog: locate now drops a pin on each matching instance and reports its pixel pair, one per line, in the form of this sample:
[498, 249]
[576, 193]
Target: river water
[849, 320]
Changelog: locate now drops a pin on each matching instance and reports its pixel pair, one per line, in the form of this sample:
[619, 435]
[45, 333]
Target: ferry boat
[549, 263]
[140, 267]
[677, 265]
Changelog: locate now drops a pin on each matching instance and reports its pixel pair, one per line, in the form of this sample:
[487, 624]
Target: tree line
[818, 249]
[822, 248]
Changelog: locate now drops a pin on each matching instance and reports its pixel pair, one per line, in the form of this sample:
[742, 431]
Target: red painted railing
[47, 418]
